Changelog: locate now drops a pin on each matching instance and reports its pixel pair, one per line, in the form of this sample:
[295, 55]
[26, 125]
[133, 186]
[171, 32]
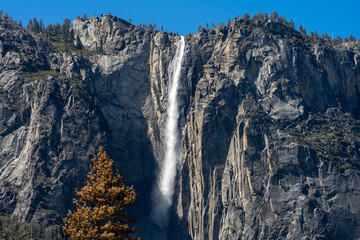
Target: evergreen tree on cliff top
[100, 211]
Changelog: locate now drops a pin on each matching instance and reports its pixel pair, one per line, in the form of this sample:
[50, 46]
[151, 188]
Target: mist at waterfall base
[164, 191]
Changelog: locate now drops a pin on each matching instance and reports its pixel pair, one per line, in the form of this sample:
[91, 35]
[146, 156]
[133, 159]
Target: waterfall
[172, 150]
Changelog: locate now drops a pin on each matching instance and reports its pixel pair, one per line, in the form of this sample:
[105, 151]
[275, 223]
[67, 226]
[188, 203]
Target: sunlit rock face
[268, 126]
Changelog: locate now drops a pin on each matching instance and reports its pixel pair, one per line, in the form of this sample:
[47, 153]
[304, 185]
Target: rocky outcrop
[254, 166]
[269, 123]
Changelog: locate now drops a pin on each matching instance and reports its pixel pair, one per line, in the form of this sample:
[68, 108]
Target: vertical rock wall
[270, 135]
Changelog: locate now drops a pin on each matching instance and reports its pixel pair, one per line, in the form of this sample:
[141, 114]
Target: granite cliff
[269, 120]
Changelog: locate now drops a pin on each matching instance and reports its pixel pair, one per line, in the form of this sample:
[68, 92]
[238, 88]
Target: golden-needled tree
[100, 212]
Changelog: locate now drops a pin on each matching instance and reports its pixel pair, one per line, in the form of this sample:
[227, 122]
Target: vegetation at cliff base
[100, 212]
[10, 229]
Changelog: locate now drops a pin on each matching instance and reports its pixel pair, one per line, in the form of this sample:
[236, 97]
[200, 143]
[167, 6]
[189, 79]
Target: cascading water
[172, 152]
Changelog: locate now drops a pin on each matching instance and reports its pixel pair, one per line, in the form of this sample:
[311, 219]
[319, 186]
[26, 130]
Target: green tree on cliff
[246, 17]
[302, 30]
[274, 16]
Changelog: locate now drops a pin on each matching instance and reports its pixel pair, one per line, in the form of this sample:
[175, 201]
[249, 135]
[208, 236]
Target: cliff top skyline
[186, 16]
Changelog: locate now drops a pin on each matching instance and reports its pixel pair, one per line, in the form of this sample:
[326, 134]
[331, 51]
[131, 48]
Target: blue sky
[334, 17]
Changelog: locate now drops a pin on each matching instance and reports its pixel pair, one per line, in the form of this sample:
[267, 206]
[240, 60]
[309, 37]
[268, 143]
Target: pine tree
[274, 16]
[36, 26]
[261, 16]
[316, 34]
[302, 30]
[42, 26]
[30, 25]
[65, 29]
[326, 36]
[246, 17]
[100, 211]
[57, 30]
[292, 24]
[352, 38]
[11, 228]
[266, 17]
[281, 20]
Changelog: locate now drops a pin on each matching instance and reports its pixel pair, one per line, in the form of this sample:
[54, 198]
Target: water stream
[172, 149]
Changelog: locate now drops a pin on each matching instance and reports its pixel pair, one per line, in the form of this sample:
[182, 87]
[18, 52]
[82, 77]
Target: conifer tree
[274, 16]
[266, 17]
[292, 24]
[100, 211]
[41, 26]
[57, 30]
[316, 34]
[246, 17]
[65, 29]
[151, 27]
[302, 30]
[261, 16]
[30, 24]
[352, 38]
[36, 26]
[326, 36]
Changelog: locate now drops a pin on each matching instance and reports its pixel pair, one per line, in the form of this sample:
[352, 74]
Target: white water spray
[166, 181]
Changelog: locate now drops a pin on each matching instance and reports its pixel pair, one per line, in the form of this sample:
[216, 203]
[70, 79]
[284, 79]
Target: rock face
[269, 123]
